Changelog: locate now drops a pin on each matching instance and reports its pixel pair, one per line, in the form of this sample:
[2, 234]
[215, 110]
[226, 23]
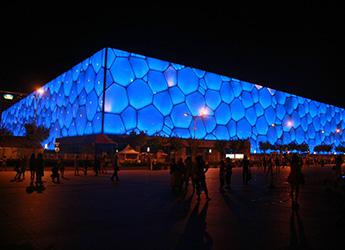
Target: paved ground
[141, 212]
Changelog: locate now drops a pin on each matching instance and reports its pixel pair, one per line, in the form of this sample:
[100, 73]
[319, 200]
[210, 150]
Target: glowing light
[40, 91]
[8, 97]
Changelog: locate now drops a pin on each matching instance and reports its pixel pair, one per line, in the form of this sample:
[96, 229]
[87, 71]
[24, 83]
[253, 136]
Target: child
[222, 176]
[55, 174]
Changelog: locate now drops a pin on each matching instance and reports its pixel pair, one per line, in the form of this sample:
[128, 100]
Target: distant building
[8, 98]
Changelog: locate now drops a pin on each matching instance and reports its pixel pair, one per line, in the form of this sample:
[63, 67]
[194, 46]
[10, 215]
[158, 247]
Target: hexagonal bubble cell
[89, 79]
[140, 66]
[91, 105]
[113, 124]
[291, 104]
[171, 76]
[222, 114]
[115, 99]
[213, 99]
[99, 82]
[213, 81]
[68, 82]
[237, 109]
[236, 87]
[97, 123]
[247, 99]
[270, 115]
[150, 120]
[163, 103]
[261, 125]
[176, 95]
[244, 129]
[210, 123]
[157, 64]
[272, 135]
[187, 80]
[157, 82]
[265, 97]
[251, 116]
[178, 116]
[97, 59]
[139, 94]
[81, 120]
[129, 117]
[226, 93]
[222, 133]
[195, 103]
[122, 72]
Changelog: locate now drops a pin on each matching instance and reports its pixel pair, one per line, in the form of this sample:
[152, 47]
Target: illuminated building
[116, 92]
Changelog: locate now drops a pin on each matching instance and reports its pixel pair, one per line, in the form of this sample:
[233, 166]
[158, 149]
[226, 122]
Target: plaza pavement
[141, 212]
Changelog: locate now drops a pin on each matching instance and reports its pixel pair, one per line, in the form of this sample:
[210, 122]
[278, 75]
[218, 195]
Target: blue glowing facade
[116, 92]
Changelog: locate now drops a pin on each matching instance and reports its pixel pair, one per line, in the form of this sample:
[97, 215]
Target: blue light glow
[152, 95]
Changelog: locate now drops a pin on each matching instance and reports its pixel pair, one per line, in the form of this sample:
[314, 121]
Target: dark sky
[294, 48]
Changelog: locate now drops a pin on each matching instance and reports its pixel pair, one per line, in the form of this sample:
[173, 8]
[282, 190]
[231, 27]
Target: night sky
[294, 48]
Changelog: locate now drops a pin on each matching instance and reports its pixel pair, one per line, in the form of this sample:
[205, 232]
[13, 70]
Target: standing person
[189, 173]
[200, 169]
[32, 168]
[277, 165]
[116, 168]
[76, 165]
[295, 179]
[40, 170]
[61, 166]
[3, 163]
[23, 166]
[96, 165]
[222, 176]
[104, 164]
[228, 172]
[338, 163]
[245, 164]
[86, 165]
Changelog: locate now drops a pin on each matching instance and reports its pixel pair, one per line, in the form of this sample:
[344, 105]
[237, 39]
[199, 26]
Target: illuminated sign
[8, 97]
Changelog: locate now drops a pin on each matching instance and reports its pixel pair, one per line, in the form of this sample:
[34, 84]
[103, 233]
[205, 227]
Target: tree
[36, 133]
[220, 146]
[136, 141]
[176, 143]
[264, 146]
[4, 135]
[304, 147]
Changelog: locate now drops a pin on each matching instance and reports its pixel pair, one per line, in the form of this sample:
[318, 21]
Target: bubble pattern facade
[118, 92]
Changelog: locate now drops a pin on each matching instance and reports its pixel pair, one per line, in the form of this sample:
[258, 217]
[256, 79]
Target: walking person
[228, 172]
[189, 173]
[295, 179]
[17, 169]
[76, 165]
[32, 168]
[222, 176]
[245, 164]
[116, 168]
[200, 168]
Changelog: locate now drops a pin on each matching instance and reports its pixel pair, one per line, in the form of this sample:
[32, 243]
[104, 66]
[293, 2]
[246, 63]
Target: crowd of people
[182, 172]
[36, 165]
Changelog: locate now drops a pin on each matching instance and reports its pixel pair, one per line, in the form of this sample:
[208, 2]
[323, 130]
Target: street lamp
[201, 114]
